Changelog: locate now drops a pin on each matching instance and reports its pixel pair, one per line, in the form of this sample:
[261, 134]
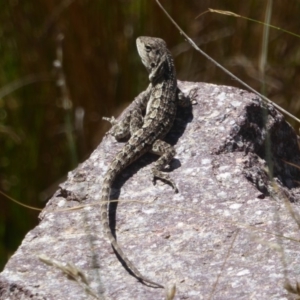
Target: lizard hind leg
[166, 152]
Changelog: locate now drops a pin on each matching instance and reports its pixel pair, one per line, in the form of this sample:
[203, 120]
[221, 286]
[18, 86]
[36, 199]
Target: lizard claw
[166, 178]
[154, 180]
[193, 95]
[111, 120]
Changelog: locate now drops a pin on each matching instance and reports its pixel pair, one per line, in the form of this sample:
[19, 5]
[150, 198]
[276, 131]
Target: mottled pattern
[158, 104]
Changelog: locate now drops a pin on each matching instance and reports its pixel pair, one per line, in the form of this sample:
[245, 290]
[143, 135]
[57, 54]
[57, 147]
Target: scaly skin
[159, 103]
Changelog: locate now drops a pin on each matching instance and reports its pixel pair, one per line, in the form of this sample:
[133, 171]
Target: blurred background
[66, 63]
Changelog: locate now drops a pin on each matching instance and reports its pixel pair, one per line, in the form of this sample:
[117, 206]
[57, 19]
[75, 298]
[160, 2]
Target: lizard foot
[111, 120]
[164, 177]
[193, 95]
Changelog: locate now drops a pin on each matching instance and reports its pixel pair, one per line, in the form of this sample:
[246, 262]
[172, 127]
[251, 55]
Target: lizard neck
[164, 71]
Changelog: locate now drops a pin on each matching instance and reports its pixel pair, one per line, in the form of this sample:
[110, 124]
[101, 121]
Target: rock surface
[227, 234]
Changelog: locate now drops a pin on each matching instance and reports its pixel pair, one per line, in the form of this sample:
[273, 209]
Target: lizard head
[153, 53]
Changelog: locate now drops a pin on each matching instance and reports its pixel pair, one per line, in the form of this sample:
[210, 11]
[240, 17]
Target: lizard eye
[148, 48]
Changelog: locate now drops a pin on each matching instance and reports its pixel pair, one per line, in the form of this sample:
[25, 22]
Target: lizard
[145, 125]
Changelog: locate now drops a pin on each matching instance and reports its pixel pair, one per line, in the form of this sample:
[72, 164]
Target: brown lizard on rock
[146, 124]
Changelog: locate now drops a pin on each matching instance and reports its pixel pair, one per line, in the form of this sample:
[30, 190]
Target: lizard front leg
[126, 127]
[120, 130]
[133, 120]
[166, 152]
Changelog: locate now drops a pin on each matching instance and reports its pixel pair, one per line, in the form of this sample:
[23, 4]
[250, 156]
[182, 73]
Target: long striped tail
[108, 180]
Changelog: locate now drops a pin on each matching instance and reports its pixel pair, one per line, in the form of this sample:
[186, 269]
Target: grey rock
[227, 234]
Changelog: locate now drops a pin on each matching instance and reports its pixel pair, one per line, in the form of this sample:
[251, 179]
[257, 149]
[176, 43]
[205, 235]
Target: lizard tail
[108, 179]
